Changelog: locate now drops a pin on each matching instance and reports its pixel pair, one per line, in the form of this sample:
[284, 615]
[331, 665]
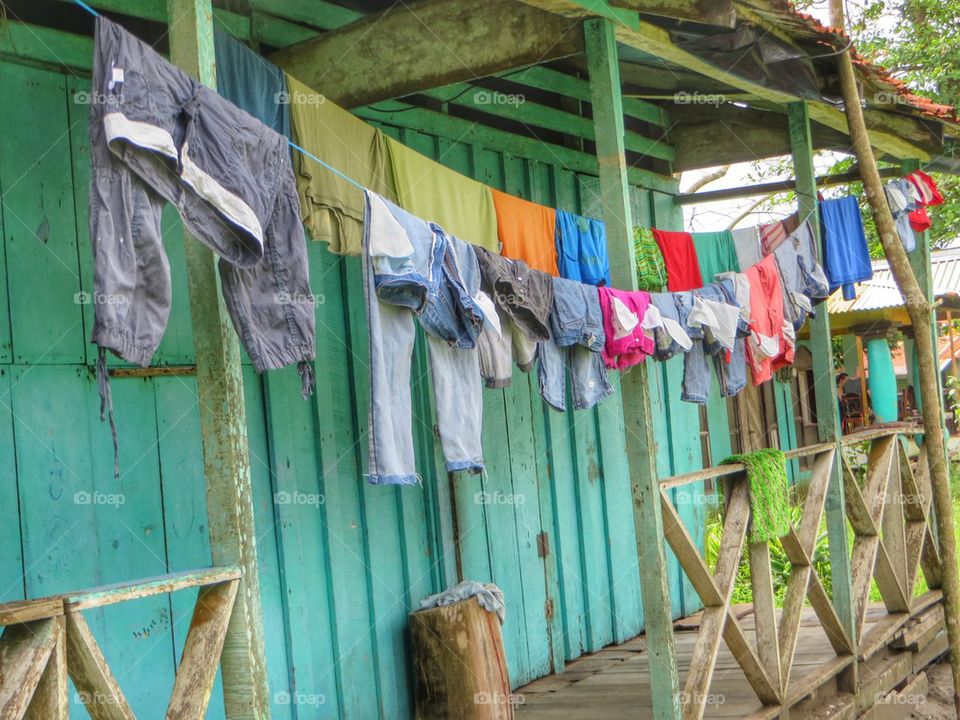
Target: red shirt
[680, 259]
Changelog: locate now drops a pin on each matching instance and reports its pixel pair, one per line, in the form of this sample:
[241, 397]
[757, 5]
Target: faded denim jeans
[731, 364]
[577, 337]
[413, 268]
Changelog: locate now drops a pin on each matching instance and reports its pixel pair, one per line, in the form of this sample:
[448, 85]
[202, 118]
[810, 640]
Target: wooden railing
[46, 640]
[890, 517]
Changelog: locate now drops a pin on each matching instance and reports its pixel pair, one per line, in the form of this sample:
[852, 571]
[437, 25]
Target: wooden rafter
[421, 46]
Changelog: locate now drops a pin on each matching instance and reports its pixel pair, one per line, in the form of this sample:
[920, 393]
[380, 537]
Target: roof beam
[426, 45]
[710, 12]
[657, 41]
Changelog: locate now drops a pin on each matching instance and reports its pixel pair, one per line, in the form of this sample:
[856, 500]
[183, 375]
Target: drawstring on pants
[308, 380]
[106, 405]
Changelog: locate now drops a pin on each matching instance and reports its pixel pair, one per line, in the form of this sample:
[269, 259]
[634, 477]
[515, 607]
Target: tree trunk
[920, 313]
[460, 670]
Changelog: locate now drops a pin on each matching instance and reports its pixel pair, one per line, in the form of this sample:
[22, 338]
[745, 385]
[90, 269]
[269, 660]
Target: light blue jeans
[437, 283]
[576, 328]
[696, 366]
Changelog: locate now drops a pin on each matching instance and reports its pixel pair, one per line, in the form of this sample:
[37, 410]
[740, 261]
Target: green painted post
[604, 71]
[226, 456]
[828, 411]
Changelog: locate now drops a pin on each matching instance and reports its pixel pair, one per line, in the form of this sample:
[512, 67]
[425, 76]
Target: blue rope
[289, 142]
[87, 8]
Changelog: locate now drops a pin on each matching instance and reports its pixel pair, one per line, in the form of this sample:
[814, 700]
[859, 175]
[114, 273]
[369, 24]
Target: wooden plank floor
[615, 683]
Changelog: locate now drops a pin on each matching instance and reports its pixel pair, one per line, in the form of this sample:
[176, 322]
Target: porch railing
[888, 512]
[46, 640]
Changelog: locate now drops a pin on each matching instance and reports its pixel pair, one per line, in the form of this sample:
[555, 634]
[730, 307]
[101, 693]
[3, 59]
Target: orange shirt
[527, 231]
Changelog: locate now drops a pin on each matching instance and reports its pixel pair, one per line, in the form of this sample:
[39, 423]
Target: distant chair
[851, 412]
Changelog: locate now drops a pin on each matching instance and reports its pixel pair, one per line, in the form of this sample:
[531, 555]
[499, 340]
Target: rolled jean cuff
[474, 466]
[694, 398]
[393, 479]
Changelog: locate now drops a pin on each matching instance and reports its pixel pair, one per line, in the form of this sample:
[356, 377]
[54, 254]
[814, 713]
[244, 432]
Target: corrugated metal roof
[882, 292]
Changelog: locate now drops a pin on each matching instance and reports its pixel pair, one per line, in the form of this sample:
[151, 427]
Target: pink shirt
[768, 348]
[634, 345]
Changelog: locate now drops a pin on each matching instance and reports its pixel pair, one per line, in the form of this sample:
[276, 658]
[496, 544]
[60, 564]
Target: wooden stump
[460, 670]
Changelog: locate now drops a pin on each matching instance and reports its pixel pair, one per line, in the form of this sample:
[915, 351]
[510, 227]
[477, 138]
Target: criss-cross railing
[888, 506]
[46, 640]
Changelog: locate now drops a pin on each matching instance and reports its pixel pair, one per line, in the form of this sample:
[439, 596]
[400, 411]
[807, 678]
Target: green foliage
[779, 564]
[919, 42]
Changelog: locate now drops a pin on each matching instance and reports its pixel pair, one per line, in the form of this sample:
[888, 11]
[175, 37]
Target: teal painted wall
[342, 562]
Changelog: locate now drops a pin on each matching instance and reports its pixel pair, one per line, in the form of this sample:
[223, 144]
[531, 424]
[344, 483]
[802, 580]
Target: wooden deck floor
[614, 682]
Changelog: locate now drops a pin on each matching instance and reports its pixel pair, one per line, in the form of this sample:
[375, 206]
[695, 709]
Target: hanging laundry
[766, 472]
[900, 200]
[847, 260]
[523, 294]
[526, 231]
[499, 350]
[774, 233]
[627, 342]
[746, 242]
[814, 280]
[769, 346]
[582, 249]
[160, 136]
[461, 206]
[413, 268]
[250, 82]
[680, 259]
[332, 207]
[929, 192]
[796, 304]
[651, 270]
[576, 343]
[715, 321]
[716, 253]
[669, 333]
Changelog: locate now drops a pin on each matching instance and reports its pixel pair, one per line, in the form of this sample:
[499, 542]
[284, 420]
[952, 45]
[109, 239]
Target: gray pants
[158, 136]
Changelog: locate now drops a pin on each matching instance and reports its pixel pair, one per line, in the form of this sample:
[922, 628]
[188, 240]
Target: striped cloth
[651, 270]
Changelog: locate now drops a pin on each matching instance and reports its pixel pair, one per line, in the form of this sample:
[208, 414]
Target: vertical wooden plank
[624, 573]
[304, 543]
[184, 498]
[828, 417]
[607, 103]
[50, 700]
[222, 414]
[38, 221]
[12, 581]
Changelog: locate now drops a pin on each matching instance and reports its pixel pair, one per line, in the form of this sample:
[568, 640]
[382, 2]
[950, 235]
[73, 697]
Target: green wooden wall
[342, 562]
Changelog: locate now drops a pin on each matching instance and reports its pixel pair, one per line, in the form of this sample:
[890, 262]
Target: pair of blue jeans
[414, 269]
[576, 328]
[732, 370]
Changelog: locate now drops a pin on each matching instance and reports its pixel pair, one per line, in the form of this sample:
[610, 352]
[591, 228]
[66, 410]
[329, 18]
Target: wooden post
[824, 384]
[605, 96]
[917, 300]
[226, 458]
